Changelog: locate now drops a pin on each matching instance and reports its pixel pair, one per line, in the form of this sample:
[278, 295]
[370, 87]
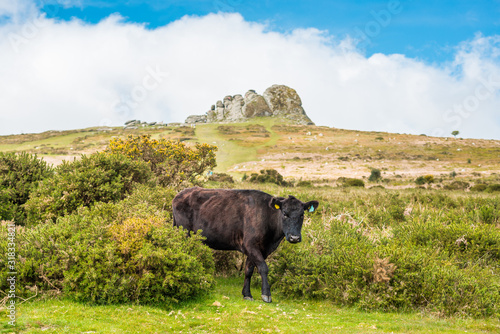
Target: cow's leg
[249, 267]
[266, 289]
[258, 260]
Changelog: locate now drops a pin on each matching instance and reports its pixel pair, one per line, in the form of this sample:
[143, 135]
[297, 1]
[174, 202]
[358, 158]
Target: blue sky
[427, 29]
[419, 67]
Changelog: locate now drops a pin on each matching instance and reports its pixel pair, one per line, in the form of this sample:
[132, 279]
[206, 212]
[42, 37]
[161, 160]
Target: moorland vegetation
[99, 230]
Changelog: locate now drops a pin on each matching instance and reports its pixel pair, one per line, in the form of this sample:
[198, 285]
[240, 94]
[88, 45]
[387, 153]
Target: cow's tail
[173, 217]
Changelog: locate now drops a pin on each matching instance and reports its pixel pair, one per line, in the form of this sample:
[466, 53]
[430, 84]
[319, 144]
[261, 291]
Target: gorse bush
[478, 187]
[457, 185]
[412, 250]
[488, 214]
[335, 266]
[269, 176]
[130, 234]
[427, 279]
[375, 175]
[492, 188]
[350, 182]
[353, 265]
[228, 263]
[172, 162]
[424, 179]
[19, 175]
[113, 253]
[111, 238]
[98, 177]
[221, 177]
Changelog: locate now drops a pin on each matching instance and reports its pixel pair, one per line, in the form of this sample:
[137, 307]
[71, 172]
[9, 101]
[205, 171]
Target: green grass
[62, 141]
[229, 152]
[235, 315]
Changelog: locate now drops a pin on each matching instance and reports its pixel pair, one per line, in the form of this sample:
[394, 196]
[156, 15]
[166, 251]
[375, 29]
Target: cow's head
[292, 215]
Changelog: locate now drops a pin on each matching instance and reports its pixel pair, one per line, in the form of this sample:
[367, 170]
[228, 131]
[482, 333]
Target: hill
[316, 153]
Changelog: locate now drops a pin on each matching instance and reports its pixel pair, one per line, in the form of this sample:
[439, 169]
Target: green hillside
[317, 153]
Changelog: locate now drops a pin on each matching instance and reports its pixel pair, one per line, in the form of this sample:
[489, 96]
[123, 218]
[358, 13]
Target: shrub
[112, 253]
[478, 187]
[420, 266]
[375, 175]
[228, 263]
[424, 179]
[429, 178]
[305, 184]
[492, 188]
[269, 176]
[397, 212]
[98, 177]
[465, 240]
[159, 197]
[420, 180]
[172, 162]
[488, 214]
[457, 185]
[336, 266]
[19, 175]
[221, 177]
[350, 182]
[427, 279]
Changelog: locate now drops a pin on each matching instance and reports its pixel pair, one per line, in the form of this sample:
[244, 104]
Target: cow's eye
[285, 214]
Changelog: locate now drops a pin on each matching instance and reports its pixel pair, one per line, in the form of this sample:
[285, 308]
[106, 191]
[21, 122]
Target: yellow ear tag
[277, 206]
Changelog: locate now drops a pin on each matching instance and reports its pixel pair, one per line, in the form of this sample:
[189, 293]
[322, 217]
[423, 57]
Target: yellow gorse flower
[173, 162]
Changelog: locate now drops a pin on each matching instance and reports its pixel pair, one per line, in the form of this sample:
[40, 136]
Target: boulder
[233, 108]
[196, 119]
[284, 101]
[255, 105]
[219, 111]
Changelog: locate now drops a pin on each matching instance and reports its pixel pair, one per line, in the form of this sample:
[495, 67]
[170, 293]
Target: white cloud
[60, 75]
[17, 10]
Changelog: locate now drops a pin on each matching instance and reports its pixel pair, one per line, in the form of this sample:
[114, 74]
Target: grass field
[237, 147]
[378, 216]
[234, 315]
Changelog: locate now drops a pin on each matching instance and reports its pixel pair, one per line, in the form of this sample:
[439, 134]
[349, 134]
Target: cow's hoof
[267, 299]
[248, 298]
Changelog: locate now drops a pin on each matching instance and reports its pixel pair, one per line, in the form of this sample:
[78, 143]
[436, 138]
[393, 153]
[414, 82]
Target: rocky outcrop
[233, 108]
[283, 100]
[277, 100]
[196, 119]
[135, 123]
[255, 105]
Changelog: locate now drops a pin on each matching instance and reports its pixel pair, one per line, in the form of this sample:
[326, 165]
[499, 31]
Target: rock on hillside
[277, 100]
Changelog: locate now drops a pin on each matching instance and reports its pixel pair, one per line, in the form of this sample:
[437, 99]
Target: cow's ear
[276, 203]
[311, 206]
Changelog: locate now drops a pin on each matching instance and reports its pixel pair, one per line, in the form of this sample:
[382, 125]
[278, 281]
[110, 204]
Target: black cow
[249, 221]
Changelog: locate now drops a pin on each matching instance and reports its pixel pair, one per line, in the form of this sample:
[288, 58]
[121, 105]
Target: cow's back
[224, 215]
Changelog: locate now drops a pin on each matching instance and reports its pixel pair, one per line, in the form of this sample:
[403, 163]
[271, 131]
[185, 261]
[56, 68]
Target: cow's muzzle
[294, 239]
